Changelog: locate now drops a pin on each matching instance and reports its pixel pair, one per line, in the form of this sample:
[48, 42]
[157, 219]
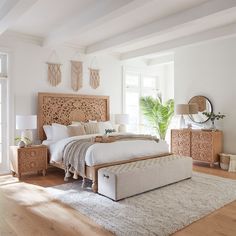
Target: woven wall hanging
[76, 75]
[94, 78]
[54, 73]
[54, 69]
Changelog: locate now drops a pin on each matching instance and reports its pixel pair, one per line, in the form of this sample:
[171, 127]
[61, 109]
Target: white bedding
[100, 153]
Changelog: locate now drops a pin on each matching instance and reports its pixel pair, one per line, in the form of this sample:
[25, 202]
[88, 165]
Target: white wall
[209, 69]
[28, 76]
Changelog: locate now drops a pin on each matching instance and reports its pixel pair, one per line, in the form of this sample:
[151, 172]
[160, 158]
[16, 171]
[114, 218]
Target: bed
[65, 108]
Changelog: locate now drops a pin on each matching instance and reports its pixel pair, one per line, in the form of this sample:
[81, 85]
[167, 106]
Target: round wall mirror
[204, 105]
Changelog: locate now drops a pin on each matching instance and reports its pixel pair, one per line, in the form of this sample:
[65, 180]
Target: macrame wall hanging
[94, 76]
[54, 70]
[76, 75]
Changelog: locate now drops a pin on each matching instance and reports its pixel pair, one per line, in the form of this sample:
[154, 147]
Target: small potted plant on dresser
[213, 117]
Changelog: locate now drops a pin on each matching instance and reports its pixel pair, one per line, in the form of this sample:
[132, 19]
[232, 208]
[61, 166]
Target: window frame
[4, 163]
[3, 121]
[140, 89]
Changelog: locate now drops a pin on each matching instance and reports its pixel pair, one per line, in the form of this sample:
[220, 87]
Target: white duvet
[100, 153]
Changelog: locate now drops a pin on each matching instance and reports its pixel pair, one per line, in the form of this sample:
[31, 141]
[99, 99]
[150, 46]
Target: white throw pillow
[93, 121]
[77, 123]
[102, 126]
[59, 131]
[48, 131]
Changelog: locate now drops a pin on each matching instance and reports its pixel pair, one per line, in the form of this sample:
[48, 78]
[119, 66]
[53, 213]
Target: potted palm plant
[158, 114]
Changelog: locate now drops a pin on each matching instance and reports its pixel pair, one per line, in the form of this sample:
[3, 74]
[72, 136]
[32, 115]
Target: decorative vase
[21, 144]
[213, 127]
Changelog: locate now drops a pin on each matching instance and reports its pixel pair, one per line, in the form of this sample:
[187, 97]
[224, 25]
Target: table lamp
[122, 120]
[182, 109]
[26, 124]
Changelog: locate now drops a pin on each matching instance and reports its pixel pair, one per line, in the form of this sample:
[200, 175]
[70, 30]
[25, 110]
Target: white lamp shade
[122, 119]
[26, 122]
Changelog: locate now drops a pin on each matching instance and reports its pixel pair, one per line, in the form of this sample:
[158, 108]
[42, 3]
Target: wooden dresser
[201, 145]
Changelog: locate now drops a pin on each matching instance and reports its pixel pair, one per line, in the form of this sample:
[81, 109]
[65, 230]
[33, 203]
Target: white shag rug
[159, 212]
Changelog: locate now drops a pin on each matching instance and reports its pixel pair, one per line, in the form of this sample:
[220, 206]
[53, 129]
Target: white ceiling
[130, 28]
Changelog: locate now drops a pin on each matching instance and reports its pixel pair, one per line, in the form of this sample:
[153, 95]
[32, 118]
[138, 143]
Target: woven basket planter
[224, 161]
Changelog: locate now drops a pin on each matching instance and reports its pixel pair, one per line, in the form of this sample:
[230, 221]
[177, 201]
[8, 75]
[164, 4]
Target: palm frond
[158, 114]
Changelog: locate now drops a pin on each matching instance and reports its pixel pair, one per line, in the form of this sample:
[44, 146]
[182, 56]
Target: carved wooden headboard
[65, 108]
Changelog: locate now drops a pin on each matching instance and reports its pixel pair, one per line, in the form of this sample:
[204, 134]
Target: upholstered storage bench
[125, 180]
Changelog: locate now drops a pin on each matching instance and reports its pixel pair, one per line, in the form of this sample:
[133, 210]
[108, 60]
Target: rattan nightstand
[28, 159]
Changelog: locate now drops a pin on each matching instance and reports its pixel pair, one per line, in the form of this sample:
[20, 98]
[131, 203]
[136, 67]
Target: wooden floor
[26, 209]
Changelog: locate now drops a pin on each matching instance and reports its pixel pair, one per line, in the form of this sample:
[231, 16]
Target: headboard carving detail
[65, 108]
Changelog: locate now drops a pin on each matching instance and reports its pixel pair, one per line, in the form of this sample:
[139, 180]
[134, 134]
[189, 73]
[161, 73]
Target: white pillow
[93, 121]
[102, 126]
[59, 131]
[48, 131]
[76, 123]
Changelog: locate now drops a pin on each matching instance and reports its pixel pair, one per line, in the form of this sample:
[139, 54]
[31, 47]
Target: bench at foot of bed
[125, 180]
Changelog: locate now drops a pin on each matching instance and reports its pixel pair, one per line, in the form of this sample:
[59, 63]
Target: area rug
[159, 212]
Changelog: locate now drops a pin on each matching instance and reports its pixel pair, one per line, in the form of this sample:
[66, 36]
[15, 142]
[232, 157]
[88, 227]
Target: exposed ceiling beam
[220, 32]
[99, 13]
[12, 10]
[160, 60]
[164, 25]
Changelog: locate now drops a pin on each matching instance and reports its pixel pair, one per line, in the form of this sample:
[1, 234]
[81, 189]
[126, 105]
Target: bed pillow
[91, 128]
[93, 121]
[75, 130]
[77, 123]
[48, 131]
[59, 131]
[102, 126]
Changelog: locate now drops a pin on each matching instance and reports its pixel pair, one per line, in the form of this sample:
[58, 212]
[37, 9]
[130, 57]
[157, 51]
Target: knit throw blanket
[74, 156]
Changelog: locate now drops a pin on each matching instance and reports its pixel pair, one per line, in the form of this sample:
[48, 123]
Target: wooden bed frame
[65, 108]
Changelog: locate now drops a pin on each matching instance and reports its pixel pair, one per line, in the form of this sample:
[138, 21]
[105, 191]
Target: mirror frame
[210, 105]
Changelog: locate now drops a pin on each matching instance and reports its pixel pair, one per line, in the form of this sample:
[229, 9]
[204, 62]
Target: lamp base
[27, 136]
[122, 128]
[182, 124]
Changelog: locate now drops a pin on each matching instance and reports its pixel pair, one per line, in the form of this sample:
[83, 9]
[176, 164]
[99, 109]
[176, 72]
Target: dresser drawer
[202, 137]
[202, 155]
[180, 142]
[32, 159]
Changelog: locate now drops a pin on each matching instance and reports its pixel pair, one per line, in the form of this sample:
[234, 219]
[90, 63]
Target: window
[3, 110]
[137, 84]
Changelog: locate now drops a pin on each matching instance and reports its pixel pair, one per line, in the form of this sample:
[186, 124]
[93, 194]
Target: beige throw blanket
[74, 156]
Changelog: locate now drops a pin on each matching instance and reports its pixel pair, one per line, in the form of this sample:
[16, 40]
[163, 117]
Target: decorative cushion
[76, 130]
[92, 121]
[59, 131]
[91, 128]
[102, 126]
[48, 131]
[77, 123]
